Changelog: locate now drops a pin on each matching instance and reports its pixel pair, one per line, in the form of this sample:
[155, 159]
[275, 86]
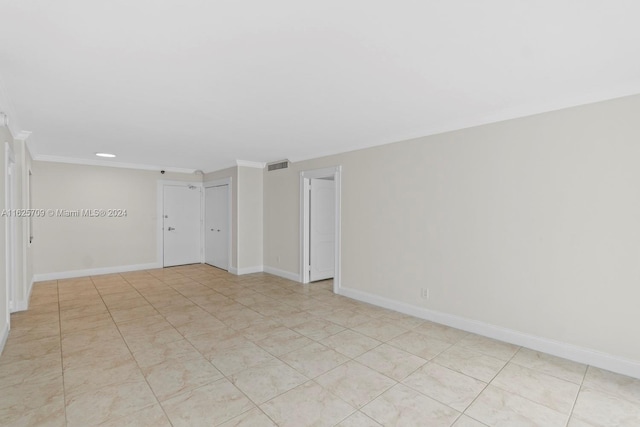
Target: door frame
[160, 220]
[11, 242]
[305, 176]
[217, 183]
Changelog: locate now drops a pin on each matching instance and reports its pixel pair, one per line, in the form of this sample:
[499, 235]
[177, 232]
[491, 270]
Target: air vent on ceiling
[281, 164]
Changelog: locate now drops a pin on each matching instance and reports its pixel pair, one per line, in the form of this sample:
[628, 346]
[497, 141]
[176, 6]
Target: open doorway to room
[320, 225]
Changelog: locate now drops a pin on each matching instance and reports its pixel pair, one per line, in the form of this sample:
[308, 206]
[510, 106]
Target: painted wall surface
[250, 217]
[233, 174]
[530, 224]
[63, 244]
[282, 215]
[5, 136]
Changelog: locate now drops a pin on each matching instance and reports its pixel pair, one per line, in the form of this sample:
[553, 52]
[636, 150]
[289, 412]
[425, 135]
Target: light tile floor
[196, 346]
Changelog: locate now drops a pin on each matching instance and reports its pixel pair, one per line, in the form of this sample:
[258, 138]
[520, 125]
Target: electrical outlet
[278, 259]
[424, 293]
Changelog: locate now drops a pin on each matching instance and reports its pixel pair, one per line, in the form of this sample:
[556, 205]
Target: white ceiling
[197, 84]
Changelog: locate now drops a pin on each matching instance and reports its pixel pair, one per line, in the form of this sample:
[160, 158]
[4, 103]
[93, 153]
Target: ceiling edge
[91, 162]
[249, 164]
[530, 110]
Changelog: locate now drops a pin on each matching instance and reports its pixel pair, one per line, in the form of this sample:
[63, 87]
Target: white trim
[94, 271]
[24, 305]
[282, 273]
[557, 348]
[23, 135]
[221, 168]
[159, 228]
[246, 270]
[10, 225]
[107, 163]
[28, 196]
[216, 183]
[3, 337]
[336, 173]
[249, 164]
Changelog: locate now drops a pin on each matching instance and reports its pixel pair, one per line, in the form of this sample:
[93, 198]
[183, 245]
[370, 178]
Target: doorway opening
[320, 215]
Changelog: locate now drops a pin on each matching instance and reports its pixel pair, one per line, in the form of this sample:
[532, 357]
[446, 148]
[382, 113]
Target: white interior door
[216, 231]
[181, 225]
[321, 229]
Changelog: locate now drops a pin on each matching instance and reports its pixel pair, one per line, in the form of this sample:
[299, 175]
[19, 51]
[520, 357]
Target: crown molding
[22, 135]
[249, 164]
[106, 163]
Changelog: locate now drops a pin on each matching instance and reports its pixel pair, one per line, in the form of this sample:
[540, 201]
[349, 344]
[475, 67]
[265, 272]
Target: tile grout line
[64, 388]
[575, 400]
[225, 376]
[184, 285]
[195, 348]
[133, 356]
[487, 386]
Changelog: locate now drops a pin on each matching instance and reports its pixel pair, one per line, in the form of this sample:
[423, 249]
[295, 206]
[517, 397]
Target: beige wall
[71, 244]
[529, 224]
[250, 218]
[282, 216]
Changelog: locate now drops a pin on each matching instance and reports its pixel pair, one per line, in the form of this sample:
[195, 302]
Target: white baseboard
[4, 334]
[245, 270]
[557, 348]
[282, 273]
[94, 271]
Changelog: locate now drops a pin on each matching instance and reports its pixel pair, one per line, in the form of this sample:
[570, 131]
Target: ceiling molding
[22, 135]
[249, 164]
[218, 169]
[92, 162]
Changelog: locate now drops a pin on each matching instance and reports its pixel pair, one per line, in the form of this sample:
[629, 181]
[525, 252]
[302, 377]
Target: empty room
[349, 214]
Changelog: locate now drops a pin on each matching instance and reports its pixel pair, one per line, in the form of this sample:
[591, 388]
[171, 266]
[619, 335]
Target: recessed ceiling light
[105, 155]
